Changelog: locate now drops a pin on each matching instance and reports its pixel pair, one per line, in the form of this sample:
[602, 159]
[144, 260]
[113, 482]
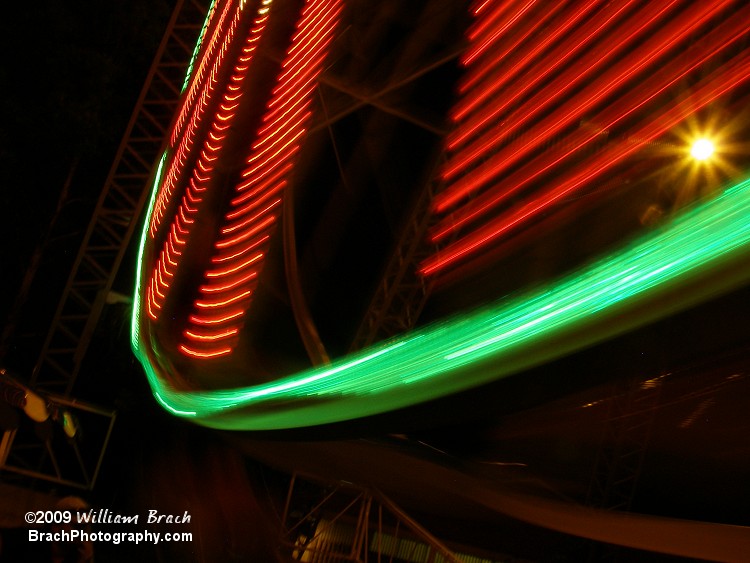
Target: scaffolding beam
[100, 254]
[350, 523]
[119, 206]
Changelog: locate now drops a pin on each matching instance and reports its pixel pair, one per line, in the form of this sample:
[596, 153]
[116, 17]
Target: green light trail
[701, 253]
[136, 317]
[197, 48]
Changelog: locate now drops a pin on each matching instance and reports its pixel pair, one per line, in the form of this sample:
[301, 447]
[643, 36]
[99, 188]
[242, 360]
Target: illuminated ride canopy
[550, 108]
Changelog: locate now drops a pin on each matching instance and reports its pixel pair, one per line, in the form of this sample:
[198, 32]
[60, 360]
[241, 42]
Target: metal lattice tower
[122, 199]
[625, 441]
[348, 523]
[619, 461]
[401, 293]
[105, 242]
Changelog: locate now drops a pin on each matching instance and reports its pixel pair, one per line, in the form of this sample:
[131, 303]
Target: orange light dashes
[240, 248]
[224, 31]
[184, 218]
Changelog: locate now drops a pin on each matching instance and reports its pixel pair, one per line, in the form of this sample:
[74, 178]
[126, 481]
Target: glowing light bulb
[702, 149]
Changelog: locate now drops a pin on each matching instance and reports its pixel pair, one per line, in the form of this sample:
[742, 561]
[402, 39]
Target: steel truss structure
[88, 288]
[401, 293]
[632, 409]
[343, 522]
[119, 206]
[38, 453]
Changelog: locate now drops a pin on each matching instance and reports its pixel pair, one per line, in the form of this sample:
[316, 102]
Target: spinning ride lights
[205, 128]
[533, 74]
[536, 102]
[707, 246]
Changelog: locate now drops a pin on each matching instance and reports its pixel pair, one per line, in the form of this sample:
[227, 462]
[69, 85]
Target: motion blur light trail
[702, 252]
[605, 83]
[204, 195]
[578, 93]
[198, 44]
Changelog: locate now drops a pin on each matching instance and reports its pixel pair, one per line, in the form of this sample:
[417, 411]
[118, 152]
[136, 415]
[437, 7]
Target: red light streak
[496, 33]
[163, 271]
[219, 258]
[304, 74]
[175, 239]
[215, 335]
[288, 116]
[150, 311]
[205, 355]
[199, 83]
[235, 268]
[310, 18]
[252, 220]
[156, 287]
[630, 30]
[230, 285]
[266, 188]
[712, 45]
[313, 58]
[210, 304]
[480, 7]
[217, 320]
[719, 83]
[261, 165]
[501, 80]
[202, 171]
[647, 54]
[482, 25]
[171, 251]
[250, 233]
[250, 206]
[276, 142]
[180, 230]
[190, 198]
[525, 31]
[292, 108]
[184, 218]
[283, 136]
[232, 107]
[250, 183]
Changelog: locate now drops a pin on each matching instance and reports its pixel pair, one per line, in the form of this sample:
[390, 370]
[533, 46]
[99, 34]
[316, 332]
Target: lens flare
[702, 149]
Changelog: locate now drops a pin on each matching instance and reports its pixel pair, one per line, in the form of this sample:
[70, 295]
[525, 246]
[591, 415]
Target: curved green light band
[136, 317]
[197, 48]
[702, 252]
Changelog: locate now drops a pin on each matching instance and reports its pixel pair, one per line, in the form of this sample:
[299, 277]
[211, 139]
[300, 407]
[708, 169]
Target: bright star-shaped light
[702, 149]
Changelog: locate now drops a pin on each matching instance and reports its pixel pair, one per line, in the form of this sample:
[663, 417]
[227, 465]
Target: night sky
[71, 76]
